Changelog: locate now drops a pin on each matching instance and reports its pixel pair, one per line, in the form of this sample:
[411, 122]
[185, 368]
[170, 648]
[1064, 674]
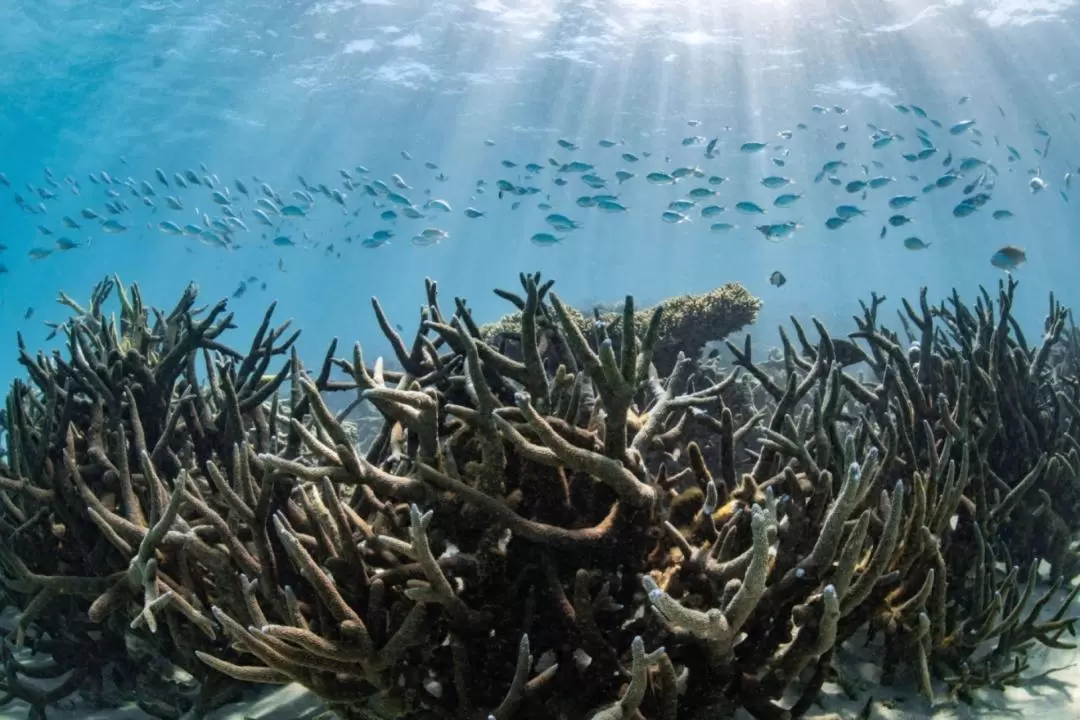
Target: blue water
[274, 89]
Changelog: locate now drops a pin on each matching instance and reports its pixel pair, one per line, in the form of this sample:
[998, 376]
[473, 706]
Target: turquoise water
[277, 89]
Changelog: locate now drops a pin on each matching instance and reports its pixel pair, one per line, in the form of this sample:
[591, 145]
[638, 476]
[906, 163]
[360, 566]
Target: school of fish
[878, 178]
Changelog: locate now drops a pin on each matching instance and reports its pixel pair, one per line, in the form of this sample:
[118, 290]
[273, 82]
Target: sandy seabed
[1049, 690]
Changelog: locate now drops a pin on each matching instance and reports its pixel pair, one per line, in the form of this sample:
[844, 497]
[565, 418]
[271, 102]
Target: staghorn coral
[521, 541]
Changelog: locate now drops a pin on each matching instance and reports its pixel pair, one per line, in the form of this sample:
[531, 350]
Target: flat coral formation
[591, 539]
[687, 323]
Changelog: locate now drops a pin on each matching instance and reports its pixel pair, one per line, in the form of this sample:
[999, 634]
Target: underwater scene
[550, 360]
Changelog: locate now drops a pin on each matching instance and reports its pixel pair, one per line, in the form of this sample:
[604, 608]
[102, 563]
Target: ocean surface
[274, 90]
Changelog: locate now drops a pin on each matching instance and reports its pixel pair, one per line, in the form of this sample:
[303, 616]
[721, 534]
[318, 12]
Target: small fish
[752, 147]
[970, 163]
[293, 211]
[914, 243]
[594, 181]
[960, 127]
[1037, 185]
[835, 223]
[576, 166]
[283, 241]
[721, 227]
[660, 178]
[774, 182]
[778, 231]
[674, 218]
[900, 202]
[113, 226]
[787, 199]
[963, 209]
[1008, 258]
[749, 208]
[848, 211]
[1002, 214]
[610, 206]
[429, 236]
[946, 180]
[711, 211]
[473, 213]
[899, 220]
[39, 253]
[561, 222]
[544, 239]
[777, 279]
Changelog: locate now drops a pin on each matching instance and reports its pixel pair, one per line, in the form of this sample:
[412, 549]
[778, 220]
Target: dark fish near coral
[777, 279]
[1008, 258]
[847, 353]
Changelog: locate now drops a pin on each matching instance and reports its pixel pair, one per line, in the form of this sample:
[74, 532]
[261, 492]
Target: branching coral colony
[563, 534]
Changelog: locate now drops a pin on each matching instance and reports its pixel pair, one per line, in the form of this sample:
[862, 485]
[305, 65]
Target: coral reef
[595, 539]
[687, 324]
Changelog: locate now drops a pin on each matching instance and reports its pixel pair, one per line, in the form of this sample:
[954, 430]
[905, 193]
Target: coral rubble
[594, 526]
